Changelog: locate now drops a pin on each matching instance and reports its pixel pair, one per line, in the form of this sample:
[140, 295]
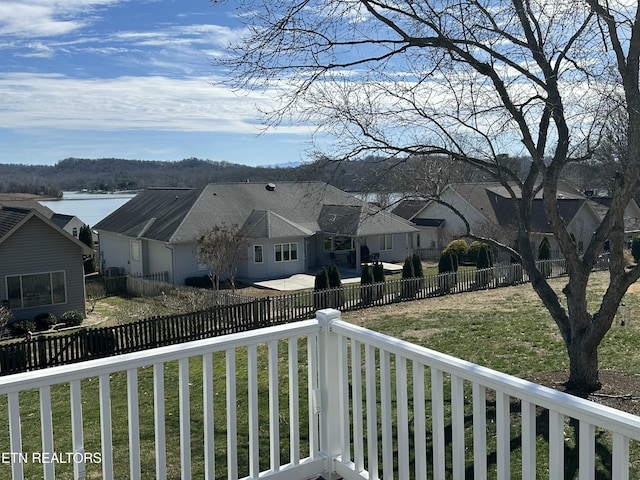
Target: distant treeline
[370, 174]
[114, 174]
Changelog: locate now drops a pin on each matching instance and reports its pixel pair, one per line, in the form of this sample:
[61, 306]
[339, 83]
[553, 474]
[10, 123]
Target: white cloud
[154, 103]
[46, 18]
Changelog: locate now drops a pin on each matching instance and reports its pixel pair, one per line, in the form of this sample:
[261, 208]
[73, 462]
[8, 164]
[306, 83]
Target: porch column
[331, 388]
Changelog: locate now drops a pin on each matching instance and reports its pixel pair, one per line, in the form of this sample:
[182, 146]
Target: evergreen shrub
[44, 321]
[72, 318]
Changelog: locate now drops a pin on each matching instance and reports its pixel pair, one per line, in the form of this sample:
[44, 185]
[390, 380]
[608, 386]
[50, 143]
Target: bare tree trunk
[583, 367]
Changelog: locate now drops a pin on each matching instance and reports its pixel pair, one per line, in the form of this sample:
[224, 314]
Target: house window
[135, 251]
[385, 242]
[286, 252]
[75, 232]
[257, 253]
[327, 243]
[36, 290]
[343, 243]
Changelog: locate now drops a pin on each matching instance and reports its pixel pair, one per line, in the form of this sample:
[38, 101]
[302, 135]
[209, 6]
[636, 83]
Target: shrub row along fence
[45, 351]
[50, 350]
[303, 305]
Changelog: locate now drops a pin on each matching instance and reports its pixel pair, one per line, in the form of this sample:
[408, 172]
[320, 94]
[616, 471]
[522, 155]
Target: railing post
[329, 389]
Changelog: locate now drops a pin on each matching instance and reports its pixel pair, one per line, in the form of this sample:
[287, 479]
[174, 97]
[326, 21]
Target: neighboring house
[293, 227]
[489, 209]
[41, 265]
[69, 223]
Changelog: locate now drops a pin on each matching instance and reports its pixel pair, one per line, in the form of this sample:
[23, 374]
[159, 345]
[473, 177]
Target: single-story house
[490, 210]
[293, 227]
[41, 265]
[69, 223]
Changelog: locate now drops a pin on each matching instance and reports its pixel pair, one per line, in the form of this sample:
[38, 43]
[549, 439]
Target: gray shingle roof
[10, 217]
[296, 207]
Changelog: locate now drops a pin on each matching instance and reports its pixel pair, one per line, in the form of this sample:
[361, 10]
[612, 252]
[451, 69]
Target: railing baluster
[457, 426]
[185, 418]
[312, 389]
[528, 413]
[343, 382]
[232, 432]
[403, 417]
[208, 419]
[419, 421]
[479, 393]
[437, 423]
[356, 398]
[372, 415]
[294, 403]
[587, 450]
[503, 437]
[556, 445]
[620, 457]
[105, 427]
[252, 374]
[385, 414]
[15, 434]
[159, 421]
[46, 423]
[75, 394]
[134, 423]
[274, 407]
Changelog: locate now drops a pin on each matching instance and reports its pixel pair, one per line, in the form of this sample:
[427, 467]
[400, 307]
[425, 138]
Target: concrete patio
[305, 281]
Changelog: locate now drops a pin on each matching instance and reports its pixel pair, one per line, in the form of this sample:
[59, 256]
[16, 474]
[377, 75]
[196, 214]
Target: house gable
[31, 245]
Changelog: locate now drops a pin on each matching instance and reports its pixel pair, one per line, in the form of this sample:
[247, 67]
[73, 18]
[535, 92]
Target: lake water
[89, 207]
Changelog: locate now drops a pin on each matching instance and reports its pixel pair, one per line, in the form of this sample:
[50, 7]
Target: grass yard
[505, 329]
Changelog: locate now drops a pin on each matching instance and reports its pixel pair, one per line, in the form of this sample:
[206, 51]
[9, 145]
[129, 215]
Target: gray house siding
[38, 248]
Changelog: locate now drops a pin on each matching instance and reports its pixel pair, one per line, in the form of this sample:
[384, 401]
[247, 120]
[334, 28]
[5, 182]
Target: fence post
[329, 387]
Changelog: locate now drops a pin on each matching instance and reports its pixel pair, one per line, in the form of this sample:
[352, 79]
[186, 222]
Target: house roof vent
[270, 187]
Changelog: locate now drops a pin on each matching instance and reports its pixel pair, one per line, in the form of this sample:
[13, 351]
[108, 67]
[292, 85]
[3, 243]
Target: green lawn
[505, 329]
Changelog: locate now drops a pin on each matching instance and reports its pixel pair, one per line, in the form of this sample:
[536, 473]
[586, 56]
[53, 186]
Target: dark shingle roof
[409, 208]
[178, 216]
[10, 217]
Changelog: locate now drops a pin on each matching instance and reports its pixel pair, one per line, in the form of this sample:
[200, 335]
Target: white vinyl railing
[299, 400]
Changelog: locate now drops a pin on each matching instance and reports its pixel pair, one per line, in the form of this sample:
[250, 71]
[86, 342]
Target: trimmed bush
[446, 269]
[21, 327]
[199, 282]
[458, 248]
[321, 281]
[366, 287]
[333, 272]
[417, 266]
[473, 250]
[409, 284]
[544, 253]
[483, 275]
[378, 272]
[379, 279]
[72, 318]
[44, 321]
[320, 285]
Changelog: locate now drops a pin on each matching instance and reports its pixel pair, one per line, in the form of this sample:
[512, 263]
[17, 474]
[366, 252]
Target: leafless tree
[471, 81]
[221, 248]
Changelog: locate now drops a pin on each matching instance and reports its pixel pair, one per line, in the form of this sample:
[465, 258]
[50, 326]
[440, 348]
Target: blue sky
[127, 79]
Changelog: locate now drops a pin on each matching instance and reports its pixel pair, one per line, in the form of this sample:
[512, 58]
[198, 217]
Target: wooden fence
[49, 350]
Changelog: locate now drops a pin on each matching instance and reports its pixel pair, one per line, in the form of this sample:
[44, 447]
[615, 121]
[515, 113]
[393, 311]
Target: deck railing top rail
[313, 397]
